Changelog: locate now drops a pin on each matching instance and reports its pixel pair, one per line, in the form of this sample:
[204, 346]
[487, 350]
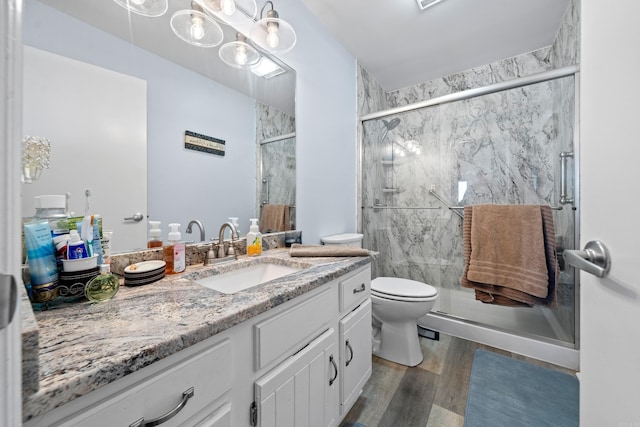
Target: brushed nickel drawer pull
[335, 367]
[362, 288]
[350, 352]
[188, 394]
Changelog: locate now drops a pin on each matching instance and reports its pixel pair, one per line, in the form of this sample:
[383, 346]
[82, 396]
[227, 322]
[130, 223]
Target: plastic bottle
[103, 287]
[155, 241]
[234, 221]
[76, 247]
[174, 251]
[254, 239]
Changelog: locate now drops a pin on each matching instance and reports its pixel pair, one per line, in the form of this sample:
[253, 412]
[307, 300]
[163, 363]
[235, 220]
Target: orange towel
[509, 254]
[274, 218]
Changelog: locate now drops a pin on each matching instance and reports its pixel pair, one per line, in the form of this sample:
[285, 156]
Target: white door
[299, 391]
[10, 128]
[96, 120]
[610, 175]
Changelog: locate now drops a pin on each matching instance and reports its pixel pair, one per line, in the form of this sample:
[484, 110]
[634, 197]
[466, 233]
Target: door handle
[8, 299]
[593, 259]
[137, 217]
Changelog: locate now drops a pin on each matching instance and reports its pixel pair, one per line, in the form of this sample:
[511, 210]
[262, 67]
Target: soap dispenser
[254, 239]
[174, 251]
[155, 241]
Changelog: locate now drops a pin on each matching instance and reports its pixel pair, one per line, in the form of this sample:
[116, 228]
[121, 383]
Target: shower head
[392, 124]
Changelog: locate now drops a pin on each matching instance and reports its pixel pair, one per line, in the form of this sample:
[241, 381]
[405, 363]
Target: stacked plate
[143, 273]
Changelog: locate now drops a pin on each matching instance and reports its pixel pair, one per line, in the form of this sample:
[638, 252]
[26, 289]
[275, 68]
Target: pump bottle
[254, 239]
[174, 251]
[155, 241]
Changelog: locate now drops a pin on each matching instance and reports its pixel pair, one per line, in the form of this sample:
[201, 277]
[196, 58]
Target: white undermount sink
[246, 277]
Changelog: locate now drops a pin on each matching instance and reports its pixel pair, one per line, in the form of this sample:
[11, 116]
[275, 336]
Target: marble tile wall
[503, 147]
[278, 159]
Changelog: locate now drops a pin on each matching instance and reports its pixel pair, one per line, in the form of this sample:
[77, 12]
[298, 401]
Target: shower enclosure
[509, 143]
[277, 181]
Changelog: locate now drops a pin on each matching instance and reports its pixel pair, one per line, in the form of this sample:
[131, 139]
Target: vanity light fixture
[150, 8]
[236, 13]
[195, 27]
[271, 33]
[36, 152]
[239, 53]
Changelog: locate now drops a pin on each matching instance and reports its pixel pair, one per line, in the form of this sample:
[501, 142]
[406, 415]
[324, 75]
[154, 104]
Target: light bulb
[272, 35]
[228, 7]
[197, 27]
[241, 55]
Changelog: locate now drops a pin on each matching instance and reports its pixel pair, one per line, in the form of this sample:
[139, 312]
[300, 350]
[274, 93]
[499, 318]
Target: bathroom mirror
[187, 89]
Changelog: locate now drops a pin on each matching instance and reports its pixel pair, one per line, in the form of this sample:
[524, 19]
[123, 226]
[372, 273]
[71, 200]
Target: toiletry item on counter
[174, 253]
[103, 287]
[254, 239]
[234, 221]
[76, 247]
[106, 244]
[155, 239]
[61, 244]
[42, 261]
[53, 209]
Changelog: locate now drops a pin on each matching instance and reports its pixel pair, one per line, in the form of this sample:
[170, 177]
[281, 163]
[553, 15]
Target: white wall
[325, 126]
[610, 127]
[182, 184]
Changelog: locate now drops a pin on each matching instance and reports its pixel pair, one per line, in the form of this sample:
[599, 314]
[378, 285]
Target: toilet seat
[398, 289]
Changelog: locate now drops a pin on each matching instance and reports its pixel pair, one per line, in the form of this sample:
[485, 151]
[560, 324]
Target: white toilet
[397, 304]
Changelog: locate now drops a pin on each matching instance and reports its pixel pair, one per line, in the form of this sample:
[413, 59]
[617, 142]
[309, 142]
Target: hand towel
[274, 218]
[507, 287]
[298, 250]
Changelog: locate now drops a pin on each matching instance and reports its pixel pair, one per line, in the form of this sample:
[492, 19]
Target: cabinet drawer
[292, 328]
[354, 289]
[208, 372]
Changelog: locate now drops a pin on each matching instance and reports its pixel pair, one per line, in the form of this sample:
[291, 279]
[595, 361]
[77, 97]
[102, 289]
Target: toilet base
[399, 344]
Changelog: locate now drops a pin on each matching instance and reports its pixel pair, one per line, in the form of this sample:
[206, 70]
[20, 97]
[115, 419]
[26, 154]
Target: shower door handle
[593, 259]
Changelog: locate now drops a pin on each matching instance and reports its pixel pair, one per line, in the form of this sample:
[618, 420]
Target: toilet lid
[404, 288]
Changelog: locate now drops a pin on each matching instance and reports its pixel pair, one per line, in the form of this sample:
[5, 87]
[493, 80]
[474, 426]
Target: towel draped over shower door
[510, 255]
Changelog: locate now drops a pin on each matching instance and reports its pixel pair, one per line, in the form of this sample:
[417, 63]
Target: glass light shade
[196, 28]
[36, 152]
[273, 35]
[150, 8]
[239, 54]
[236, 13]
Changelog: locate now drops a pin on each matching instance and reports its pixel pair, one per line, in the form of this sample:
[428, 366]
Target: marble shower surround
[426, 244]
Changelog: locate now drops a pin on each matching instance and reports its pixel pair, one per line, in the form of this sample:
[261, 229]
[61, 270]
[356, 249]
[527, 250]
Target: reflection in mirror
[187, 89]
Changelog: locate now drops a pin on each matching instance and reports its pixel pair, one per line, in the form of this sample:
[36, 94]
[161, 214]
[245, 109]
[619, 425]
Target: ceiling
[401, 45]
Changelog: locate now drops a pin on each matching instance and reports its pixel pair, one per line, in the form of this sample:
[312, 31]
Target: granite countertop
[83, 346]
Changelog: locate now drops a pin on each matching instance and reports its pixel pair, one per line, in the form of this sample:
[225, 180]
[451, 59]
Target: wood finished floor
[432, 394]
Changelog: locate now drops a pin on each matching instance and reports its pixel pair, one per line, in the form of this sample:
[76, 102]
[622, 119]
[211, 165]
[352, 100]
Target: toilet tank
[345, 239]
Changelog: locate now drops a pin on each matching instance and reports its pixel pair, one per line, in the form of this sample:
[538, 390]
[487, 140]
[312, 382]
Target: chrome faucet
[199, 224]
[230, 252]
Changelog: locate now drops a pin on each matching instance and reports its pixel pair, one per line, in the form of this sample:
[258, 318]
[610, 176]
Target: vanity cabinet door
[302, 390]
[355, 354]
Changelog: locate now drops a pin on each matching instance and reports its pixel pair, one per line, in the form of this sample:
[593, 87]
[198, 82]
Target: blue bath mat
[509, 392]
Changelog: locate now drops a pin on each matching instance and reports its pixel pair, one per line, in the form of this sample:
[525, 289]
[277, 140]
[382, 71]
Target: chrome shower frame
[549, 350]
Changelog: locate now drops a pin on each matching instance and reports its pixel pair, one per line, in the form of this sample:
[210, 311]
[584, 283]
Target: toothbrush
[87, 196]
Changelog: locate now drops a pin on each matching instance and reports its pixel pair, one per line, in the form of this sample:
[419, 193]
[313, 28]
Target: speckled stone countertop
[84, 346]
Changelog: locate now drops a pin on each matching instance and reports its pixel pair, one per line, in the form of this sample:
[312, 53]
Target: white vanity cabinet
[302, 363]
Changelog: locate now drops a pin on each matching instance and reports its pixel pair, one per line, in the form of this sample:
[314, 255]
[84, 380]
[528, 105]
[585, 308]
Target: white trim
[552, 353]
[278, 138]
[10, 161]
